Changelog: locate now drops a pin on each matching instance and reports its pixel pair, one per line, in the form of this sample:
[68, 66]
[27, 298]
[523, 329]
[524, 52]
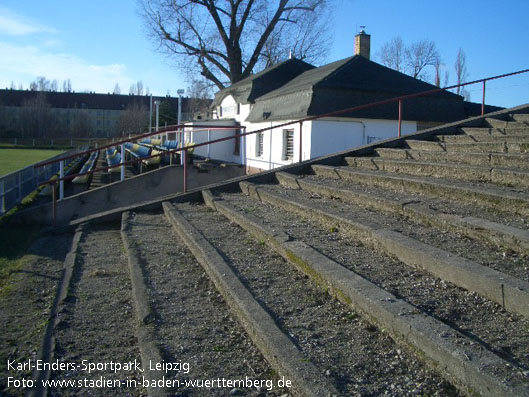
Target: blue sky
[100, 43]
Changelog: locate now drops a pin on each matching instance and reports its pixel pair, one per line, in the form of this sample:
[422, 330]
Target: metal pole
[182, 139]
[400, 116]
[157, 104]
[150, 115]
[122, 161]
[300, 141]
[54, 204]
[2, 192]
[242, 148]
[61, 183]
[179, 108]
[184, 157]
[209, 139]
[483, 100]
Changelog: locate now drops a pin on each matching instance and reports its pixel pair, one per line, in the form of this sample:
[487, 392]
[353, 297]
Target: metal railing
[18, 184]
[178, 128]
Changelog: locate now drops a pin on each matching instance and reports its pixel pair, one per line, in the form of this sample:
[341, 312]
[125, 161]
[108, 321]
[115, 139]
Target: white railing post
[209, 139]
[2, 195]
[122, 161]
[61, 183]
[19, 178]
[242, 148]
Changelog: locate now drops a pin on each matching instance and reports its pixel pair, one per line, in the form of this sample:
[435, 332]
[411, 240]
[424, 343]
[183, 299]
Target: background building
[39, 114]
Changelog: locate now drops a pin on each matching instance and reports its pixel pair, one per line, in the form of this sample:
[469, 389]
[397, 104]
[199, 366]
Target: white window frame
[288, 144]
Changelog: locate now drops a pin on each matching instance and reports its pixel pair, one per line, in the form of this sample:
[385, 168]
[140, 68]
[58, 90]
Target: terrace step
[346, 268]
[487, 147]
[495, 123]
[520, 117]
[417, 208]
[520, 161]
[463, 138]
[494, 197]
[486, 131]
[89, 318]
[235, 263]
[182, 313]
[496, 175]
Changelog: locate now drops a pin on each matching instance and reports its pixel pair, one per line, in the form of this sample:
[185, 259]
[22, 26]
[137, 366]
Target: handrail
[135, 138]
[181, 127]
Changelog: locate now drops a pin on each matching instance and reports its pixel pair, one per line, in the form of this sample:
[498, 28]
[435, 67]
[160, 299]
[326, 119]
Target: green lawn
[14, 159]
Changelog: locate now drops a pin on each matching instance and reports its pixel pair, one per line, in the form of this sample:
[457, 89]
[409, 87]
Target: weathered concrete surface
[487, 197]
[145, 315]
[140, 188]
[495, 233]
[469, 366]
[510, 292]
[277, 348]
[498, 147]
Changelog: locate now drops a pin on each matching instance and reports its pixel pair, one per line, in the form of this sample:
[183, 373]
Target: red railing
[181, 127]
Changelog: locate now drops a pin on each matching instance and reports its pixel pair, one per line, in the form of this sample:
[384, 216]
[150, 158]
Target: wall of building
[274, 145]
[222, 151]
[334, 135]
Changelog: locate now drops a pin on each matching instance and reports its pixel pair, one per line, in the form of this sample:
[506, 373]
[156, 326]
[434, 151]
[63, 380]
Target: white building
[293, 90]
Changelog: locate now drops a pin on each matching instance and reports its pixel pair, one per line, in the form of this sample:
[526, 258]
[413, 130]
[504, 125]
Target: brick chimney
[363, 44]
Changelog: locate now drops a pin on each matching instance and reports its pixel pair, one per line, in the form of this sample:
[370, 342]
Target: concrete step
[497, 198]
[97, 320]
[471, 223]
[230, 258]
[180, 309]
[520, 117]
[463, 138]
[345, 267]
[520, 161]
[487, 132]
[488, 147]
[496, 175]
[494, 123]
[413, 243]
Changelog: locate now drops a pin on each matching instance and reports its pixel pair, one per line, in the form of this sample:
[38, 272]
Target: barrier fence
[18, 184]
[400, 100]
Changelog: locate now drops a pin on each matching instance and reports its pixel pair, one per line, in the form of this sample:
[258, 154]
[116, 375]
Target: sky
[97, 44]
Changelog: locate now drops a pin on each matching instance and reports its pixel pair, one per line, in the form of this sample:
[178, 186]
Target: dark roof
[258, 84]
[351, 82]
[86, 100]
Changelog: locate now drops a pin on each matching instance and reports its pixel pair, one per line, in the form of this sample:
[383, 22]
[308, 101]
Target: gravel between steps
[97, 324]
[483, 321]
[443, 205]
[194, 324]
[359, 358]
[502, 189]
[26, 300]
[500, 259]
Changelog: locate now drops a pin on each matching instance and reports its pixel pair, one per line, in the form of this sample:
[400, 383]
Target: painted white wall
[273, 145]
[229, 110]
[334, 135]
[222, 151]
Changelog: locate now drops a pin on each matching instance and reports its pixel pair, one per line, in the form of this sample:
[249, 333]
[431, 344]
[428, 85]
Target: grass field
[14, 159]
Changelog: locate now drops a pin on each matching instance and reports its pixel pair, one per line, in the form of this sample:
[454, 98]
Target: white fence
[18, 184]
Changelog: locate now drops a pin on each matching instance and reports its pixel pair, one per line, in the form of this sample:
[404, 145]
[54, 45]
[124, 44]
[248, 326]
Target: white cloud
[16, 25]
[23, 64]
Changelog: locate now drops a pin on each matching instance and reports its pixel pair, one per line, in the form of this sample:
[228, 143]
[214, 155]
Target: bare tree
[461, 70]
[226, 40]
[37, 119]
[67, 86]
[117, 90]
[134, 119]
[54, 86]
[199, 93]
[419, 55]
[392, 54]
[136, 89]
